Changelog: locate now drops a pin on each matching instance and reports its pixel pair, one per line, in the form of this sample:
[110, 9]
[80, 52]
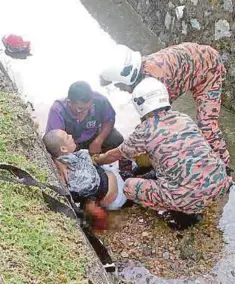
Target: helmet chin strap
[139, 101]
[154, 112]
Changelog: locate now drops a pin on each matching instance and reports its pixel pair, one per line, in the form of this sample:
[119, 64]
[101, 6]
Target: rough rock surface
[203, 21]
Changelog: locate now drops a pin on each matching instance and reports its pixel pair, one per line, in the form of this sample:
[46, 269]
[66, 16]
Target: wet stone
[147, 251]
[166, 255]
[167, 21]
[124, 254]
[195, 24]
[228, 5]
[145, 234]
[222, 29]
[179, 11]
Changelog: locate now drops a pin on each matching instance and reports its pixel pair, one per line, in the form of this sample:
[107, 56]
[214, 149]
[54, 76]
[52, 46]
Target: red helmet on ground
[15, 44]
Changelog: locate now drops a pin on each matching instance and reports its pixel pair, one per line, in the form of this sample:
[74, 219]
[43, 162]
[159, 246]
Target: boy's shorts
[121, 198]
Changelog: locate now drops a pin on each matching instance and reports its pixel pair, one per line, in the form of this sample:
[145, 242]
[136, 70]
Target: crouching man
[189, 175]
[94, 187]
[88, 116]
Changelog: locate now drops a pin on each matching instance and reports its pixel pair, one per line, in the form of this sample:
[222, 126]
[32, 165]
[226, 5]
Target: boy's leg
[121, 198]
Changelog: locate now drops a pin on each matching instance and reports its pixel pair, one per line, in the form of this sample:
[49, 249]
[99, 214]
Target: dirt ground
[138, 235]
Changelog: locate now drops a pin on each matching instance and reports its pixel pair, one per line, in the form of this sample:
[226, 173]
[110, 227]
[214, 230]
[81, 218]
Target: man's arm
[129, 149]
[96, 145]
[55, 120]
[108, 120]
[106, 129]
[109, 157]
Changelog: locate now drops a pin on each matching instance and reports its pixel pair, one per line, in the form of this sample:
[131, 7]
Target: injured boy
[94, 187]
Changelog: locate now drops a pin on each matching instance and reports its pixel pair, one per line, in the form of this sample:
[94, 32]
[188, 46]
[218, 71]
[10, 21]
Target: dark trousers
[114, 139]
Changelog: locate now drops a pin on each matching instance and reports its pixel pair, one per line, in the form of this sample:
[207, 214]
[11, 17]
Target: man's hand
[93, 158]
[95, 146]
[143, 160]
[62, 168]
[107, 158]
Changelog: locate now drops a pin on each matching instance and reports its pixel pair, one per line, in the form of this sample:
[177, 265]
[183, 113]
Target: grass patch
[36, 244]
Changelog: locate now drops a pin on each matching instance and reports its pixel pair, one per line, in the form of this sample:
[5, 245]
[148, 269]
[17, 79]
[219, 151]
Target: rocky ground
[137, 235]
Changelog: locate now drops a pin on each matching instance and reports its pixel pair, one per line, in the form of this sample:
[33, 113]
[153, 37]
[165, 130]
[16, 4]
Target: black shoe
[128, 203]
[178, 220]
[139, 171]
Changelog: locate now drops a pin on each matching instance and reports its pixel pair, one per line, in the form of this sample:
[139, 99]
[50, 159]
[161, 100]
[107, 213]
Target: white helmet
[123, 66]
[149, 95]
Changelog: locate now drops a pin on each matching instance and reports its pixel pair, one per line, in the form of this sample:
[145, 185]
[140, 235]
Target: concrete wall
[123, 24]
[203, 21]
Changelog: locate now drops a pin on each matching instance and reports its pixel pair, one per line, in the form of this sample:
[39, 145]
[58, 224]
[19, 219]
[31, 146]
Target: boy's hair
[80, 91]
[53, 142]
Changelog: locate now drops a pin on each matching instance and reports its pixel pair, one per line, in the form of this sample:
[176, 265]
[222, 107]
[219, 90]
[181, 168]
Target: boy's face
[69, 145]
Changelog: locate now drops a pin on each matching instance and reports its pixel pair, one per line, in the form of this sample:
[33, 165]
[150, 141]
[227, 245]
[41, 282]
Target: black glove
[150, 175]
